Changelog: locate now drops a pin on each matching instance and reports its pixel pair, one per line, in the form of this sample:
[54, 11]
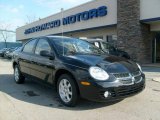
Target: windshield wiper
[71, 53]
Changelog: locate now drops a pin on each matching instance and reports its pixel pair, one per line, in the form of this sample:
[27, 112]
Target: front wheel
[18, 77]
[67, 90]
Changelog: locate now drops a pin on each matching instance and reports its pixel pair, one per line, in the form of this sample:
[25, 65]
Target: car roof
[95, 40]
[52, 36]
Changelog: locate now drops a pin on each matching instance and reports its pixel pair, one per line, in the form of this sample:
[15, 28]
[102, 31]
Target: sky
[16, 13]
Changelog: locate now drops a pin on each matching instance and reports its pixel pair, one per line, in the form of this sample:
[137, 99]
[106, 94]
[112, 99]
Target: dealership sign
[83, 16]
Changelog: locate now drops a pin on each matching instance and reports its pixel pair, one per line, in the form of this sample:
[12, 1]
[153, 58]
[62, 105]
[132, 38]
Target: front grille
[123, 91]
[126, 81]
[124, 78]
[128, 78]
[126, 90]
[121, 75]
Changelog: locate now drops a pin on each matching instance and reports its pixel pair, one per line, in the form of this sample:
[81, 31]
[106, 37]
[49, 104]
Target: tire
[18, 77]
[67, 90]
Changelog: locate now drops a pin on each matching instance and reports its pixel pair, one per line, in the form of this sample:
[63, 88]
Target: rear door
[25, 57]
[42, 67]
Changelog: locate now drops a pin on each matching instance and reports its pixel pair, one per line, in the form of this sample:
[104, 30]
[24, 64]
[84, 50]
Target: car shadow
[35, 93]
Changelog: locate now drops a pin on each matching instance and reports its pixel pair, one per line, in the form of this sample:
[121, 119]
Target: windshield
[75, 46]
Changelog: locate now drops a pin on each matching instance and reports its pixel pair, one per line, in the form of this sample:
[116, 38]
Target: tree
[30, 18]
[5, 33]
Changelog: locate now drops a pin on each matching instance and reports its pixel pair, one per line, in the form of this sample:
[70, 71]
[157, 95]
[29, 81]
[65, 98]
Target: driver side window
[28, 48]
[42, 45]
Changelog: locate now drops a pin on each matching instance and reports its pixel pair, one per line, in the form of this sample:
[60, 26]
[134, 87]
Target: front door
[42, 67]
[25, 60]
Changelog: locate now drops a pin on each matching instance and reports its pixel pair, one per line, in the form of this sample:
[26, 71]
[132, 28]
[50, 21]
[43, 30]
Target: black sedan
[77, 69]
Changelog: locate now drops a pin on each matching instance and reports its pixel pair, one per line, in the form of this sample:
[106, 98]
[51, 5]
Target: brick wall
[133, 37]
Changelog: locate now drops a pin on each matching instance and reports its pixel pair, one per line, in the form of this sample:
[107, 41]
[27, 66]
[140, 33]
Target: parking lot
[32, 101]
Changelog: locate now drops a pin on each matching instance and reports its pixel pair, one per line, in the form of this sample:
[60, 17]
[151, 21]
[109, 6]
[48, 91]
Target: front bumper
[95, 92]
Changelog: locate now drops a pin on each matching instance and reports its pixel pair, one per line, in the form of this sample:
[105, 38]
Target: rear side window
[42, 45]
[28, 48]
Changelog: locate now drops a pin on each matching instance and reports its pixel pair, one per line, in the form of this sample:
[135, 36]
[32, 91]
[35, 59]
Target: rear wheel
[67, 90]
[18, 77]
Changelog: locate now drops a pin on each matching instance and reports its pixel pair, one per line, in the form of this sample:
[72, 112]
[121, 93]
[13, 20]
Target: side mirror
[45, 53]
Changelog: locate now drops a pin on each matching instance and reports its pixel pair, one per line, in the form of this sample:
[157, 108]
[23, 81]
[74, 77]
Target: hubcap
[16, 74]
[65, 90]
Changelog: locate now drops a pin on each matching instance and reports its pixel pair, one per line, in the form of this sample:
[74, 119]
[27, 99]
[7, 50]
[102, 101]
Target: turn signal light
[86, 83]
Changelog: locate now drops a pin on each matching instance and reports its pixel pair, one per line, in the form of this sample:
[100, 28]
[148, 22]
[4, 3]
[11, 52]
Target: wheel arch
[64, 71]
[14, 64]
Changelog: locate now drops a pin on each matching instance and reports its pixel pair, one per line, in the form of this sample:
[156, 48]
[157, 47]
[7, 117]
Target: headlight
[98, 73]
[139, 67]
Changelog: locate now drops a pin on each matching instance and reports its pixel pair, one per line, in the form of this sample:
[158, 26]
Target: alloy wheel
[16, 74]
[65, 90]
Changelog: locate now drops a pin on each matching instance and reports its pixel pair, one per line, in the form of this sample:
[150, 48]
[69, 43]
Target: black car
[77, 69]
[9, 53]
[105, 46]
[3, 51]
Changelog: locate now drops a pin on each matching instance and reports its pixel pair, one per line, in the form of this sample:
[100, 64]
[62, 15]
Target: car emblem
[133, 80]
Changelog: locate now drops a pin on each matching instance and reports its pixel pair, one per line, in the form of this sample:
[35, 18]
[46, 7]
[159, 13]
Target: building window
[111, 39]
[96, 37]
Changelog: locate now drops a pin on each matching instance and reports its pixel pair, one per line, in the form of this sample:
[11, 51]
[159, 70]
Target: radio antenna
[62, 30]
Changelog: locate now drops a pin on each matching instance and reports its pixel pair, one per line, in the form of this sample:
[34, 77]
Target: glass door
[156, 48]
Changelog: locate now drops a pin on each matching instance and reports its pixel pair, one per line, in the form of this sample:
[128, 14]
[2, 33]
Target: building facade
[131, 25]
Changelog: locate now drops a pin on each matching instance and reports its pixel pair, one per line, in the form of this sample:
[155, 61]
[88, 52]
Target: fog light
[106, 94]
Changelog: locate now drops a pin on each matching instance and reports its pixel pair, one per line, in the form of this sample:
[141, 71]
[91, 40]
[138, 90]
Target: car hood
[109, 63]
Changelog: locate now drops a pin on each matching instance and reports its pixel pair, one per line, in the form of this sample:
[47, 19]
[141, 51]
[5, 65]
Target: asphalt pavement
[33, 101]
[152, 73]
